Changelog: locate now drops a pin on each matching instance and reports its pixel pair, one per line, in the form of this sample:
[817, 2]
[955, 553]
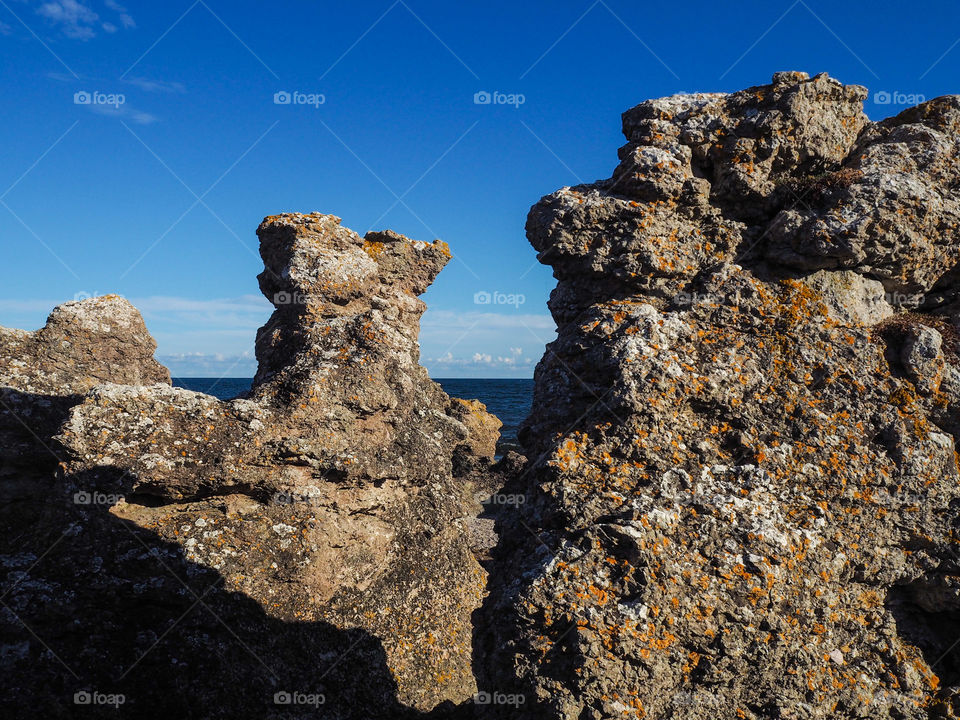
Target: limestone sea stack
[743, 493]
[299, 551]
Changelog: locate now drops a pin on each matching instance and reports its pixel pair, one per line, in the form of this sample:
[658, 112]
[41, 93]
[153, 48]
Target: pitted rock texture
[313, 533]
[743, 497]
[43, 373]
[84, 343]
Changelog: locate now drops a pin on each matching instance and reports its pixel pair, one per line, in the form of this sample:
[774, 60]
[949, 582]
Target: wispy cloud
[483, 344]
[125, 19]
[75, 20]
[246, 311]
[124, 112]
[436, 319]
[161, 86]
[80, 22]
[210, 337]
[209, 364]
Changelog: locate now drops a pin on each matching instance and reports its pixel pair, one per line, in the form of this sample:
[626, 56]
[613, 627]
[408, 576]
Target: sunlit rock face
[223, 557]
[743, 493]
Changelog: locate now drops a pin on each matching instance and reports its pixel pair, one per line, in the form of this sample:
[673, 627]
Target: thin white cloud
[75, 20]
[124, 112]
[210, 337]
[156, 85]
[449, 320]
[242, 315]
[244, 311]
[5, 29]
[80, 22]
[125, 19]
[214, 365]
[480, 364]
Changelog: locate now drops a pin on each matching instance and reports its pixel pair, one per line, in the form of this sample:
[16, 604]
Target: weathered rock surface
[43, 373]
[743, 496]
[84, 343]
[309, 538]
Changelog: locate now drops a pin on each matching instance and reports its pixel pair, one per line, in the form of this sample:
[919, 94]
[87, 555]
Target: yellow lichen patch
[373, 249]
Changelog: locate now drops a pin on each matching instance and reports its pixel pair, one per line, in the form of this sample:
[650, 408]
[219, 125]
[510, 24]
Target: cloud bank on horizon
[452, 344]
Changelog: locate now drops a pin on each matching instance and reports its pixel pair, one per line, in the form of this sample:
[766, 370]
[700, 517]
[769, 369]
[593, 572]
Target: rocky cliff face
[743, 493]
[302, 550]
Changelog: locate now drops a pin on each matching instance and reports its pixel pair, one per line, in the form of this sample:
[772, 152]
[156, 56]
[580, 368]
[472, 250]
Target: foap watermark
[290, 498]
[500, 499]
[688, 299]
[295, 97]
[86, 295]
[886, 97]
[95, 97]
[907, 300]
[88, 697]
[498, 98]
[84, 497]
[298, 698]
[499, 698]
[886, 499]
[496, 297]
[290, 298]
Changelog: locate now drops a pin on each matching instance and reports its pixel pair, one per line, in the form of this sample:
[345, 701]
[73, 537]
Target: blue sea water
[509, 400]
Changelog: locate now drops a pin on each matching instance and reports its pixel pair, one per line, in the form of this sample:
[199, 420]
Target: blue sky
[157, 198]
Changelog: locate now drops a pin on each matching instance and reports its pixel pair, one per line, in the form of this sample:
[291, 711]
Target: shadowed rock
[325, 500]
[43, 373]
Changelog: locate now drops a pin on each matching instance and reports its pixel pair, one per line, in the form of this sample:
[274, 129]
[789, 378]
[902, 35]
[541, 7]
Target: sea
[509, 400]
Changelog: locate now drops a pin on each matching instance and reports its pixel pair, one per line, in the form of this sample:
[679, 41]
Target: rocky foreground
[304, 550]
[741, 496]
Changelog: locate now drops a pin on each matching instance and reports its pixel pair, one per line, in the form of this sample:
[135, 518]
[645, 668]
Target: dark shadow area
[935, 633]
[95, 609]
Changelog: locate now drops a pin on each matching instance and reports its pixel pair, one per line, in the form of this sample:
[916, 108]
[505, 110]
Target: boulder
[742, 495]
[44, 373]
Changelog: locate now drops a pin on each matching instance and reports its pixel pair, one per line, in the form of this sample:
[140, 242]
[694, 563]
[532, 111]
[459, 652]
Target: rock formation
[43, 373]
[299, 551]
[742, 498]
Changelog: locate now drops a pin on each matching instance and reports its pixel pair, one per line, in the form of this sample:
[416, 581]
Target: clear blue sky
[158, 198]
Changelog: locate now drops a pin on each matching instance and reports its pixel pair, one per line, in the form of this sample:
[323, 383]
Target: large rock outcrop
[302, 550]
[743, 496]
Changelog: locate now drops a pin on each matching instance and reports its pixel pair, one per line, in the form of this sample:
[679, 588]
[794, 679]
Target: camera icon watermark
[498, 98]
[483, 297]
[298, 698]
[83, 497]
[95, 97]
[86, 295]
[689, 299]
[295, 97]
[290, 298]
[500, 499]
[291, 498]
[86, 697]
[886, 97]
[499, 698]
